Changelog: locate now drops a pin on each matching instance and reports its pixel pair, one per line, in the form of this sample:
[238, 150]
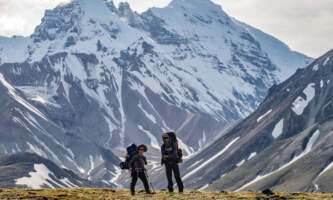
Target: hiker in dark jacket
[169, 158]
[137, 168]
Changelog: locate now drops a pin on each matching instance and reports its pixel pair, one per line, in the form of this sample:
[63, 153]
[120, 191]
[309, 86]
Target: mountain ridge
[283, 145]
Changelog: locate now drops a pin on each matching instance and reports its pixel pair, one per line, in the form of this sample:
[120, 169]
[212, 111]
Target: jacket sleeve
[163, 150]
[145, 160]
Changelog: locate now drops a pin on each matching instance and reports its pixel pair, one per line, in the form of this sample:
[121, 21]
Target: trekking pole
[148, 178]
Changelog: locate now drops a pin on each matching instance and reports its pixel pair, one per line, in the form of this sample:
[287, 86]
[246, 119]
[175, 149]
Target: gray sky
[304, 25]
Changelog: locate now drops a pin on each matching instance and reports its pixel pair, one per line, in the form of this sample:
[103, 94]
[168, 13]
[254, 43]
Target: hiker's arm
[145, 160]
[164, 156]
[163, 150]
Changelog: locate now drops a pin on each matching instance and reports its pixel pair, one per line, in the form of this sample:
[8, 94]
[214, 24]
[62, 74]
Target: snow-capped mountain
[100, 77]
[285, 145]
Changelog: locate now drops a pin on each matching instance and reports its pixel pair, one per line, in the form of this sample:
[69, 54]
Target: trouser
[173, 167]
[141, 174]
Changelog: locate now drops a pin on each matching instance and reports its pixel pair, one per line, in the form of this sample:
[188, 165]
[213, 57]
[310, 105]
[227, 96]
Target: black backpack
[131, 151]
[173, 139]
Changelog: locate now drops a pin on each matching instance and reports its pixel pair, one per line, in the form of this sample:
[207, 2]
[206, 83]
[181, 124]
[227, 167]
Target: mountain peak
[198, 4]
[94, 7]
[205, 10]
[72, 18]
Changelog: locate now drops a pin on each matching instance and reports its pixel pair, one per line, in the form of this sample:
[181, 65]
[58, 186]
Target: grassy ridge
[103, 194]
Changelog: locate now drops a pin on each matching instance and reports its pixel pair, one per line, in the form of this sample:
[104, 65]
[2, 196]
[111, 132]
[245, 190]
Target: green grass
[103, 194]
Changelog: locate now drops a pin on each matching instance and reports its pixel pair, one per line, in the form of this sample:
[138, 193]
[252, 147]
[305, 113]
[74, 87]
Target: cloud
[304, 25]
[20, 17]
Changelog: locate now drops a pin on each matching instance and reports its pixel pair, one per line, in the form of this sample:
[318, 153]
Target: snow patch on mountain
[92, 164]
[38, 178]
[278, 129]
[68, 183]
[312, 141]
[189, 150]
[40, 94]
[202, 141]
[41, 177]
[326, 61]
[315, 67]
[241, 163]
[10, 88]
[330, 166]
[300, 103]
[194, 164]
[153, 141]
[116, 177]
[149, 116]
[35, 149]
[264, 115]
[203, 187]
[252, 155]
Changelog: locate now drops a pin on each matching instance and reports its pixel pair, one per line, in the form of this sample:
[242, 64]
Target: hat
[165, 135]
[144, 146]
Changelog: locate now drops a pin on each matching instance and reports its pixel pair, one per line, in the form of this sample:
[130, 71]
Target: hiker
[137, 169]
[170, 158]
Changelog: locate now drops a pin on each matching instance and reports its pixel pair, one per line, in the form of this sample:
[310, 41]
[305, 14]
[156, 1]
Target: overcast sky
[304, 25]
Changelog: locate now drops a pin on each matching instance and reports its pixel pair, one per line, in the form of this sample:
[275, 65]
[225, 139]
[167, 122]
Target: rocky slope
[95, 78]
[30, 170]
[26, 129]
[286, 144]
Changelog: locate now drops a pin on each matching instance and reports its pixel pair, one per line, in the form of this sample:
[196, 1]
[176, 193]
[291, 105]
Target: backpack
[173, 139]
[131, 151]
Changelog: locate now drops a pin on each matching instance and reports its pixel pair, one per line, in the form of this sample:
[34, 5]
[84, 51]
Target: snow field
[41, 176]
[300, 103]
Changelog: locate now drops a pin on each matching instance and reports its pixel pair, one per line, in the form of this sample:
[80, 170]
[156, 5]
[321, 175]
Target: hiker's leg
[133, 182]
[178, 178]
[144, 180]
[168, 171]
